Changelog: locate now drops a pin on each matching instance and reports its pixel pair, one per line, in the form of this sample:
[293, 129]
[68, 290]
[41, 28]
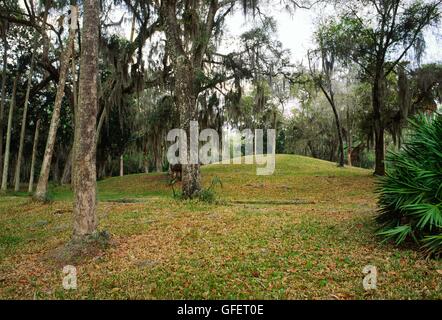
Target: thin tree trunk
[84, 164]
[99, 126]
[330, 97]
[378, 98]
[341, 162]
[56, 168]
[75, 78]
[66, 176]
[8, 137]
[34, 155]
[349, 138]
[3, 101]
[145, 159]
[349, 150]
[23, 126]
[121, 166]
[312, 150]
[132, 29]
[332, 152]
[42, 186]
[45, 55]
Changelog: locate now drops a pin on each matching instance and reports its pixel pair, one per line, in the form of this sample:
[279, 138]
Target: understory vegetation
[411, 193]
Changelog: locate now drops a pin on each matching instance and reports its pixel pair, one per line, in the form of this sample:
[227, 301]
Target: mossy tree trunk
[187, 45]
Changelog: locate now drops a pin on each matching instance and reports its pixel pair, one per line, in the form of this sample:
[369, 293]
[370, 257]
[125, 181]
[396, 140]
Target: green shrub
[410, 195]
[209, 194]
[205, 194]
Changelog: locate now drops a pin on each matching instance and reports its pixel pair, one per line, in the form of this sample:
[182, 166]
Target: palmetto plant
[410, 195]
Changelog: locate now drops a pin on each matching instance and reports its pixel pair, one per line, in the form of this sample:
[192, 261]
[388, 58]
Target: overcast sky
[295, 31]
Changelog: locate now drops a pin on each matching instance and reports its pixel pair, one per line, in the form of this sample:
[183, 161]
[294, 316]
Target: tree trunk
[158, 160]
[3, 101]
[378, 104]
[45, 38]
[185, 79]
[186, 101]
[8, 137]
[84, 164]
[34, 155]
[349, 150]
[145, 159]
[56, 168]
[349, 139]
[66, 176]
[330, 97]
[23, 127]
[103, 169]
[99, 126]
[75, 78]
[42, 186]
[121, 166]
[312, 150]
[341, 162]
[332, 152]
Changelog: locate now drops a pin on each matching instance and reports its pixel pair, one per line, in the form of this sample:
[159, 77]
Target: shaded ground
[304, 233]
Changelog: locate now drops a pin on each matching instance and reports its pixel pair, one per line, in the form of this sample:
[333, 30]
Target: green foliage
[411, 193]
[207, 195]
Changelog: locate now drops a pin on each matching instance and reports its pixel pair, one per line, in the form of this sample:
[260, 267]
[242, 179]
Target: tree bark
[45, 38]
[34, 155]
[349, 150]
[56, 168]
[75, 78]
[8, 137]
[99, 126]
[186, 101]
[121, 166]
[341, 162]
[3, 101]
[145, 159]
[23, 126]
[378, 104]
[84, 164]
[330, 97]
[349, 139]
[66, 175]
[42, 186]
[186, 65]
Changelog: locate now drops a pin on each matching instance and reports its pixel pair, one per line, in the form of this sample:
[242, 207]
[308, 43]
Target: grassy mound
[304, 233]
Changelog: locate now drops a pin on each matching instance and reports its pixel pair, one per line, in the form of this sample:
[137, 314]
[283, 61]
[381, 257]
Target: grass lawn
[304, 233]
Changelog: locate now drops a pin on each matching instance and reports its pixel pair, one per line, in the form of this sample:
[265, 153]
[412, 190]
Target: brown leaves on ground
[307, 233]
